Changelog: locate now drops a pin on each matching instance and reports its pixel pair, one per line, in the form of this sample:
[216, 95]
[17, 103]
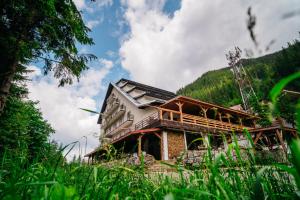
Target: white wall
[139, 114]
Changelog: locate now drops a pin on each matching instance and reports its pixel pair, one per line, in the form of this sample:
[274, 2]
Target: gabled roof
[208, 105]
[158, 96]
[150, 91]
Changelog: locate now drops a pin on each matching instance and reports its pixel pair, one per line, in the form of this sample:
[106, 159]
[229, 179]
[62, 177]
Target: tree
[23, 130]
[49, 30]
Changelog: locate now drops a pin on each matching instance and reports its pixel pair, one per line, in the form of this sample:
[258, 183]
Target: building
[138, 118]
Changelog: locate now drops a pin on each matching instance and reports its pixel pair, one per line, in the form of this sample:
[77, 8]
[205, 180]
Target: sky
[163, 43]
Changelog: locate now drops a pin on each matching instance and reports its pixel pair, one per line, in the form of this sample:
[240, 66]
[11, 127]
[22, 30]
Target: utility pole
[241, 77]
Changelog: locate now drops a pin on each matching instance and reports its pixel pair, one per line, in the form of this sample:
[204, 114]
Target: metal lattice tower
[241, 77]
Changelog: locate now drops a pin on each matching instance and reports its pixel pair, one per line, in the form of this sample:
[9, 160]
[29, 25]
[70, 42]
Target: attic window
[122, 84]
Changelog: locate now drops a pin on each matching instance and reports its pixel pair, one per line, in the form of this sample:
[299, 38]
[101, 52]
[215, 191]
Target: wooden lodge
[137, 118]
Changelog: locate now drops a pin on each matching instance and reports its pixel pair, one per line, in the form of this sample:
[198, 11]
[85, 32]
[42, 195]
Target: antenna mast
[241, 77]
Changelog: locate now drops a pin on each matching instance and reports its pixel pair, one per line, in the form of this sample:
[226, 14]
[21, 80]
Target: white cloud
[80, 4]
[34, 71]
[111, 53]
[171, 52]
[93, 23]
[60, 105]
[101, 3]
[92, 6]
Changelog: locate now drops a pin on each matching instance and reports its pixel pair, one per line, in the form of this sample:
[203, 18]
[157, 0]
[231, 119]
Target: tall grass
[222, 177]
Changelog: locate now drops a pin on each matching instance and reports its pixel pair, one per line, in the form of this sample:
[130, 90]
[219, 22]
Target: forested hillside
[220, 87]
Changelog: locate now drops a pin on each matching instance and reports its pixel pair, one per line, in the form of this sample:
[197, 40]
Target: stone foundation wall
[130, 160]
[196, 157]
[176, 144]
[277, 155]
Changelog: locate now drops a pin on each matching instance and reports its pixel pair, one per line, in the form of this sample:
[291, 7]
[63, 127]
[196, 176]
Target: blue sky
[163, 43]
[108, 30]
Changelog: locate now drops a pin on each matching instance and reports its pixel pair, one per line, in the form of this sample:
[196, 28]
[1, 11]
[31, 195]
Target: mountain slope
[220, 87]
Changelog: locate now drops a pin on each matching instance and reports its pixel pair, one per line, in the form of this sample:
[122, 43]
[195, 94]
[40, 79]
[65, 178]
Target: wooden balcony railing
[167, 117]
[211, 123]
[177, 117]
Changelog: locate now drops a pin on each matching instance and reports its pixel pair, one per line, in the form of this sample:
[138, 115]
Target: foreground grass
[222, 177]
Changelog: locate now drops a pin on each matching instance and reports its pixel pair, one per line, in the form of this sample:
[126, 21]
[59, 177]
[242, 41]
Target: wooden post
[254, 123]
[140, 146]
[280, 137]
[206, 140]
[161, 147]
[220, 119]
[171, 116]
[241, 122]
[179, 104]
[228, 117]
[205, 114]
[270, 146]
[160, 114]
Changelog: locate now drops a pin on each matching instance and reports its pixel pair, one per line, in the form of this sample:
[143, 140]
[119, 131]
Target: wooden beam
[268, 142]
[165, 109]
[280, 137]
[179, 104]
[294, 133]
[291, 92]
[257, 137]
[204, 111]
[157, 135]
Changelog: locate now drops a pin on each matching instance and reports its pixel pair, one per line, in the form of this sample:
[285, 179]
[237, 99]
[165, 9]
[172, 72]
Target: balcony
[110, 99]
[123, 127]
[114, 116]
[177, 120]
[113, 106]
